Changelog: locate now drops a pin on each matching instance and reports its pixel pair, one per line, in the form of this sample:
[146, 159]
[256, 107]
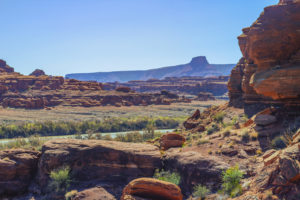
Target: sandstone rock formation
[195, 168]
[17, 169]
[38, 72]
[205, 96]
[99, 160]
[270, 69]
[39, 91]
[149, 188]
[170, 140]
[178, 85]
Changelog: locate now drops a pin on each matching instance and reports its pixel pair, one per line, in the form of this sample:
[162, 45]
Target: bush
[232, 181]
[213, 128]
[279, 142]
[167, 176]
[200, 191]
[60, 179]
[245, 136]
[219, 117]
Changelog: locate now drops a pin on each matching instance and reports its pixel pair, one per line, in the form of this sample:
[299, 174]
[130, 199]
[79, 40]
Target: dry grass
[62, 113]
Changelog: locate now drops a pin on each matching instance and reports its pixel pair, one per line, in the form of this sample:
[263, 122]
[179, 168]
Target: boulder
[192, 122]
[99, 160]
[17, 169]
[171, 140]
[149, 188]
[96, 193]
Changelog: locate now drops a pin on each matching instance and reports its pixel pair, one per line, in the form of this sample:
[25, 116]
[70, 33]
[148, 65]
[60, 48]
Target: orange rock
[150, 188]
[170, 140]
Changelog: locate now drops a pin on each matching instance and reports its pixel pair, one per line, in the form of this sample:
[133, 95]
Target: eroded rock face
[39, 91]
[149, 188]
[17, 169]
[269, 73]
[195, 169]
[99, 160]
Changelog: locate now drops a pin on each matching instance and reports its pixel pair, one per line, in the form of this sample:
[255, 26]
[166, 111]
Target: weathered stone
[99, 160]
[195, 169]
[149, 188]
[17, 169]
[264, 120]
[170, 140]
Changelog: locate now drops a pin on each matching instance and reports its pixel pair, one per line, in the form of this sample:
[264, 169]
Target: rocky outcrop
[195, 169]
[96, 193]
[39, 91]
[4, 68]
[178, 85]
[99, 160]
[38, 72]
[270, 69]
[279, 174]
[205, 96]
[149, 188]
[17, 169]
[171, 140]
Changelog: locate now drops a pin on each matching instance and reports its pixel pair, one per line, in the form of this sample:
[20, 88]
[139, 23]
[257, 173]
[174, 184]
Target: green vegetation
[201, 191]
[213, 128]
[32, 142]
[167, 176]
[51, 128]
[60, 179]
[219, 117]
[71, 194]
[245, 136]
[279, 142]
[232, 181]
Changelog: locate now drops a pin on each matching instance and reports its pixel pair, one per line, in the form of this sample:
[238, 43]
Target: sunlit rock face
[269, 72]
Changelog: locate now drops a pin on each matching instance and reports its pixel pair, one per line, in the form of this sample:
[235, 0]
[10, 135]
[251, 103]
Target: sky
[74, 36]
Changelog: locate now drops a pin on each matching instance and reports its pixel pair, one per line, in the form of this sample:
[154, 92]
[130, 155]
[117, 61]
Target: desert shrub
[245, 136]
[202, 141]
[278, 142]
[213, 128]
[71, 194]
[227, 131]
[60, 179]
[171, 177]
[200, 191]
[232, 181]
[219, 117]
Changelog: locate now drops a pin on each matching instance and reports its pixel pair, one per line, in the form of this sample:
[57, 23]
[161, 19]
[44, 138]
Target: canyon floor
[67, 113]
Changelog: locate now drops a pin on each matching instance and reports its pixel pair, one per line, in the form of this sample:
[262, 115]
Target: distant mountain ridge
[198, 66]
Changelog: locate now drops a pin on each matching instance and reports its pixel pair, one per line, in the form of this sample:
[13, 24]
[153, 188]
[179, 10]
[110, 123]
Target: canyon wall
[269, 72]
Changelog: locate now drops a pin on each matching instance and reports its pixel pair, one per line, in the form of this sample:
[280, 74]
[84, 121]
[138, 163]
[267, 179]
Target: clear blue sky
[67, 36]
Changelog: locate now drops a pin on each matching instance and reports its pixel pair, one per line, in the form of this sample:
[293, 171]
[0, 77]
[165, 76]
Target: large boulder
[149, 188]
[99, 160]
[96, 193]
[170, 140]
[195, 168]
[17, 169]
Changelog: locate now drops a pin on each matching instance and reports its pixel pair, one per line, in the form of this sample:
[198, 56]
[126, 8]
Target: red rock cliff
[269, 72]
